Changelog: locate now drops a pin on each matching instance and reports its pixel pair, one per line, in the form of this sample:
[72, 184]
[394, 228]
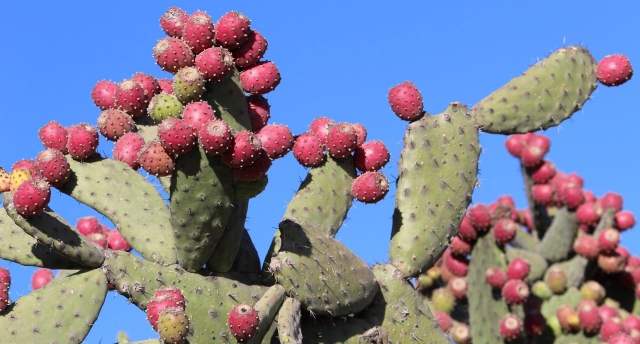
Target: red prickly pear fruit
[32, 196]
[443, 319]
[586, 246]
[113, 123]
[496, 277]
[532, 156]
[176, 136]
[480, 217]
[232, 30]
[611, 263]
[572, 195]
[261, 78]
[82, 141]
[98, 239]
[215, 137]
[406, 101]
[460, 246]
[54, 166]
[624, 220]
[244, 150]
[589, 213]
[259, 111]
[458, 287]
[506, 200]
[534, 323]
[41, 278]
[28, 164]
[255, 171]
[630, 323]
[371, 156]
[243, 321]
[633, 262]
[5, 284]
[215, 64]
[198, 32]
[539, 141]
[510, 327]
[277, 140]
[543, 173]
[460, 333]
[370, 187]
[127, 148]
[320, 126]
[308, 150]
[467, 231]
[589, 196]
[576, 179]
[131, 98]
[515, 292]
[173, 54]
[607, 313]
[556, 280]
[526, 219]
[543, 193]
[361, 133]
[608, 240]
[154, 159]
[172, 22]
[104, 94]
[518, 269]
[504, 231]
[54, 135]
[568, 318]
[149, 84]
[117, 242]
[172, 292]
[458, 265]
[516, 144]
[157, 305]
[611, 327]
[614, 70]
[341, 140]
[196, 114]
[611, 200]
[589, 316]
[251, 51]
[623, 338]
[88, 225]
[446, 274]
[501, 211]
[166, 86]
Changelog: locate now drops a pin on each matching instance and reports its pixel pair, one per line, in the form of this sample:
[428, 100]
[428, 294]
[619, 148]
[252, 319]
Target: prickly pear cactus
[554, 272]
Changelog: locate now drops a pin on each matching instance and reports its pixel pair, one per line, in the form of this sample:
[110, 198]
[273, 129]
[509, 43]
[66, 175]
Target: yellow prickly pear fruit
[18, 176]
[5, 180]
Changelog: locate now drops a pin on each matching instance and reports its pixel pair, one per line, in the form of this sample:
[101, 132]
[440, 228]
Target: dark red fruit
[126, 149]
[104, 94]
[198, 32]
[320, 126]
[371, 156]
[251, 51]
[308, 150]
[114, 123]
[173, 21]
[260, 78]
[156, 160]
[518, 269]
[54, 166]
[232, 30]
[243, 321]
[259, 111]
[32, 196]
[406, 101]
[516, 144]
[215, 137]
[277, 140]
[54, 135]
[244, 150]
[480, 217]
[214, 63]
[614, 70]
[255, 171]
[369, 187]
[41, 278]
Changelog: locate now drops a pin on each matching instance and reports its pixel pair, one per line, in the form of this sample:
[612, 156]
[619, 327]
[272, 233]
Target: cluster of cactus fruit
[477, 273]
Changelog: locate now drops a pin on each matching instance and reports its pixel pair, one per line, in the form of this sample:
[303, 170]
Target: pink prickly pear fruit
[480, 217]
[131, 98]
[568, 318]
[172, 292]
[5, 284]
[198, 32]
[196, 114]
[113, 123]
[406, 101]
[370, 187]
[543, 193]
[54, 135]
[261, 78]
[244, 150]
[630, 323]
[614, 70]
[572, 195]
[556, 280]
[166, 86]
[624, 338]
[510, 327]
[173, 54]
[277, 140]
[176, 136]
[54, 166]
[443, 319]
[608, 240]
[82, 141]
[532, 156]
[215, 136]
[214, 63]
[516, 144]
[611, 327]
[149, 84]
[243, 321]
[27, 164]
[458, 287]
[255, 171]
[611, 263]
[589, 213]
[126, 149]
[589, 196]
[515, 292]
[157, 305]
[534, 323]
[611, 200]
[371, 156]
[543, 173]
[341, 140]
[589, 316]
[117, 242]
[308, 150]
[518, 269]
[32, 196]
[624, 220]
[98, 239]
[251, 51]
[104, 94]
[458, 265]
[320, 126]
[259, 111]
[575, 178]
[88, 225]
[504, 231]
[156, 160]
[586, 246]
[41, 278]
[361, 133]
[172, 22]
[232, 30]
[607, 313]
[467, 231]
[460, 246]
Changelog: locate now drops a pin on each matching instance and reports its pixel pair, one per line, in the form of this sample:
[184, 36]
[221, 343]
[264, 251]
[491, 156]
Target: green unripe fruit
[556, 279]
[188, 85]
[592, 290]
[554, 325]
[442, 300]
[173, 325]
[541, 290]
[163, 106]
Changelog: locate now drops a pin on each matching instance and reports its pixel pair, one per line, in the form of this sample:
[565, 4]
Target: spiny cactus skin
[311, 287]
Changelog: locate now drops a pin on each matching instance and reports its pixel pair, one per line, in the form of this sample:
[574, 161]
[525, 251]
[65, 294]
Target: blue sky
[337, 59]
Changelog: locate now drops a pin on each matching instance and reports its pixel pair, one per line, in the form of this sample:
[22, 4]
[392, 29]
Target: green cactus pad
[321, 272]
[570, 297]
[163, 106]
[325, 330]
[267, 308]
[537, 262]
[252, 189]
[125, 197]
[61, 312]
[201, 196]
[557, 243]
[247, 260]
[228, 100]
[53, 231]
[486, 305]
[436, 177]
[227, 248]
[289, 322]
[546, 94]
[399, 309]
[20, 247]
[524, 240]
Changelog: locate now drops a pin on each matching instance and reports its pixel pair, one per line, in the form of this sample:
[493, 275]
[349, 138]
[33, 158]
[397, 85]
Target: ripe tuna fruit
[104, 94]
[244, 150]
[41, 278]
[259, 111]
[361, 133]
[54, 165]
[515, 292]
[28, 164]
[113, 123]
[370, 187]
[149, 84]
[32, 196]
[254, 171]
[371, 156]
[54, 135]
[131, 98]
[320, 126]
[155, 160]
[262, 78]
[496, 277]
[516, 144]
[126, 149]
[176, 136]
[614, 70]
[232, 30]
[5, 180]
[88, 225]
[117, 242]
[480, 217]
[82, 141]
[341, 140]
[308, 150]
[277, 140]
[510, 327]
[196, 114]
[98, 239]
[215, 137]
[172, 22]
[157, 305]
[243, 321]
[198, 32]
[166, 86]
[624, 220]
[214, 63]
[251, 51]
[173, 54]
[406, 101]
[518, 269]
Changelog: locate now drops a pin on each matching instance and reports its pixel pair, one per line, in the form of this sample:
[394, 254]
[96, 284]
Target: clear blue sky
[337, 59]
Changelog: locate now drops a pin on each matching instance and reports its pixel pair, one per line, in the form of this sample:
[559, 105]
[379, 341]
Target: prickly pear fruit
[166, 86]
[277, 140]
[172, 22]
[259, 111]
[163, 106]
[518, 269]
[480, 217]
[5, 180]
[624, 220]
[149, 84]
[370, 187]
[172, 292]
[461, 333]
[458, 265]
[515, 292]
[113, 123]
[98, 239]
[308, 150]
[232, 30]
[496, 277]
[176, 136]
[251, 51]
[157, 305]
[261, 78]
[198, 32]
[341, 140]
[215, 63]
[196, 114]
[5, 284]
[516, 144]
[41, 278]
[54, 135]
[54, 165]
[458, 287]
[589, 316]
[460, 246]
[255, 171]
[172, 54]
[510, 327]
[188, 85]
[156, 160]
[104, 94]
[320, 126]
[243, 151]
[117, 242]
[406, 101]
[614, 70]
[611, 200]
[586, 246]
[88, 225]
[443, 300]
[608, 240]
[371, 156]
[28, 164]
[126, 149]
[173, 325]
[131, 98]
[82, 141]
[556, 279]
[504, 231]
[215, 137]
[243, 321]
[32, 196]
